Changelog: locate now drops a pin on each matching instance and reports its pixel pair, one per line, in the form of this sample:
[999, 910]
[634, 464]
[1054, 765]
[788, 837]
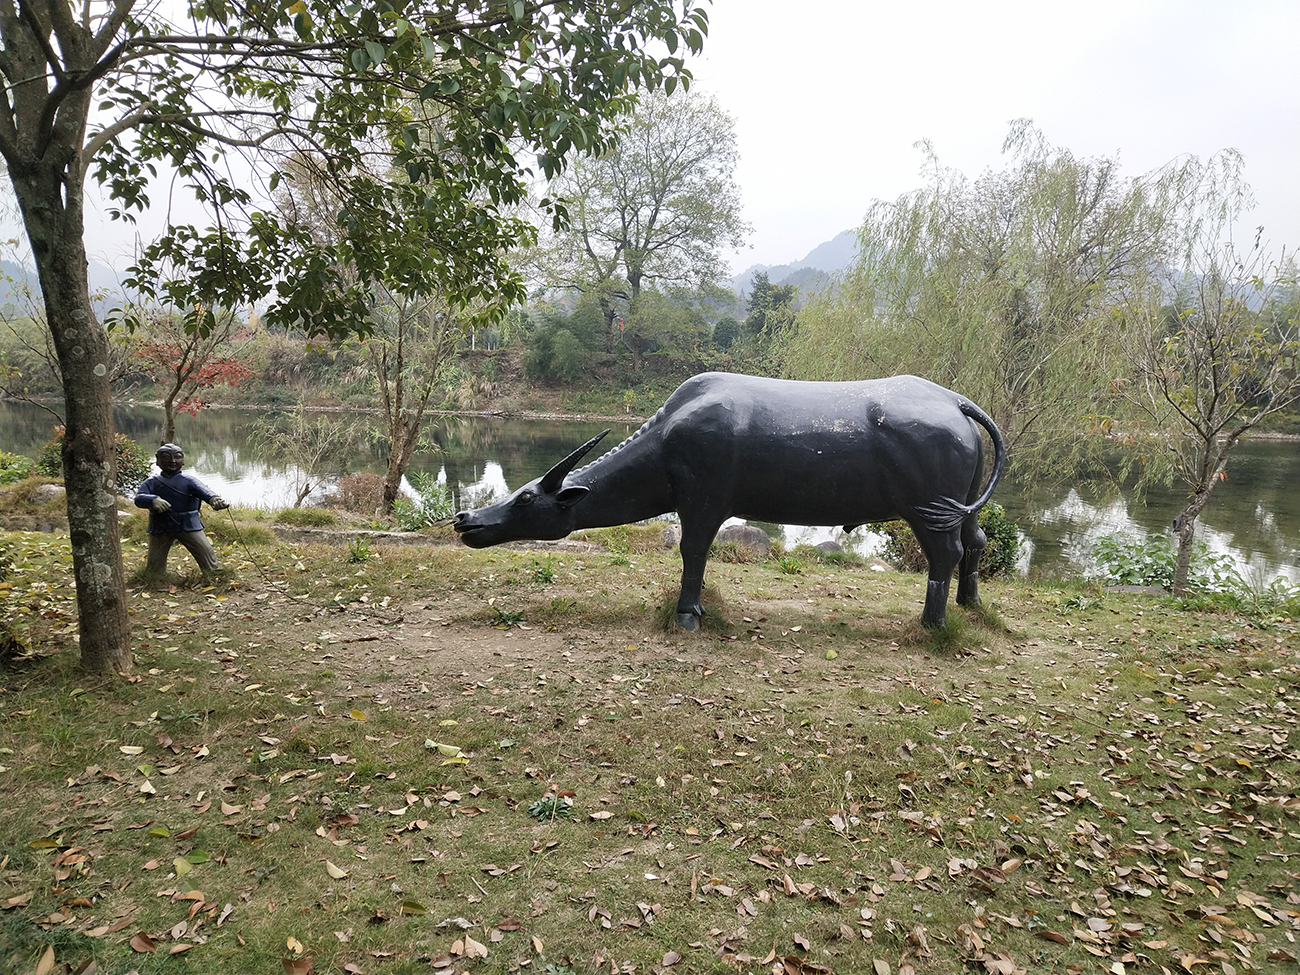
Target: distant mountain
[812, 273]
[19, 287]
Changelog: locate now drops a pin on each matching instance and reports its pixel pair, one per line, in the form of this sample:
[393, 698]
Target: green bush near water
[134, 463]
[433, 504]
[1001, 551]
[15, 467]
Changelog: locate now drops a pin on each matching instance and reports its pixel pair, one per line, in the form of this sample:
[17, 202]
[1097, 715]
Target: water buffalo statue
[802, 453]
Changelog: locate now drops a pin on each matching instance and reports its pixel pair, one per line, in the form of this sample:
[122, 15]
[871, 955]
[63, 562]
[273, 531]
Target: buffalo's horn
[553, 478]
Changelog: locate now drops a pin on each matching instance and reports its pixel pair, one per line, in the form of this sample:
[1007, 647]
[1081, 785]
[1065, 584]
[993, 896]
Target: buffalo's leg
[697, 536]
[943, 551]
[973, 541]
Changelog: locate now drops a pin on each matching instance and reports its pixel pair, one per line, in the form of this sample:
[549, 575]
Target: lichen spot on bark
[101, 369]
[96, 575]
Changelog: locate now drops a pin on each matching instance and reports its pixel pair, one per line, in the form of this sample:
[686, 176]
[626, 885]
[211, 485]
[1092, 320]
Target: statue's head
[170, 458]
[542, 508]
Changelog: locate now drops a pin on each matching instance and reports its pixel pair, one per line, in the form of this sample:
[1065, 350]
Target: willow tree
[115, 91]
[1000, 287]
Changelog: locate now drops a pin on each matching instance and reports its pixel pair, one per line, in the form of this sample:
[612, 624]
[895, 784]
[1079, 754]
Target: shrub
[555, 354]
[537, 360]
[433, 504]
[15, 467]
[901, 549]
[363, 492]
[568, 357]
[134, 463]
[1127, 560]
[1001, 553]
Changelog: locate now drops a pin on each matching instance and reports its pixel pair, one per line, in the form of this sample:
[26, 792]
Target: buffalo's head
[542, 508]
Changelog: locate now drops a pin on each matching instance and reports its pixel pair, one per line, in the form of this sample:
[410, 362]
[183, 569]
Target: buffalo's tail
[944, 514]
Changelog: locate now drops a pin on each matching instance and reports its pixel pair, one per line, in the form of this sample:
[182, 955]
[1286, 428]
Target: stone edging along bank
[342, 536]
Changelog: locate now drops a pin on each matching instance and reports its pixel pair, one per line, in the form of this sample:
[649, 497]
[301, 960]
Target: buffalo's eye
[526, 498]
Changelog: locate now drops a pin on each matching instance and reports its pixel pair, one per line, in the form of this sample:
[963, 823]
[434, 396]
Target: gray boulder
[746, 536]
[48, 492]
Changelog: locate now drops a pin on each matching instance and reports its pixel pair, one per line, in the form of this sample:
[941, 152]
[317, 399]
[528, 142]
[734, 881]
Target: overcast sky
[830, 96]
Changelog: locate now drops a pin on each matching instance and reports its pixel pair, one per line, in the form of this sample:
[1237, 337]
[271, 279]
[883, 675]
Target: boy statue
[173, 501]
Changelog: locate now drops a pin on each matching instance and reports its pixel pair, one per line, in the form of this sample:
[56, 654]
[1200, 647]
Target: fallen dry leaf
[338, 873]
[142, 943]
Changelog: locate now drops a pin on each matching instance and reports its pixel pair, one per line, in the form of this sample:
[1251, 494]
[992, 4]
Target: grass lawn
[394, 759]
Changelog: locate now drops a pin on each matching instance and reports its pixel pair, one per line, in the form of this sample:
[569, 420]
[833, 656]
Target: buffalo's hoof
[688, 621]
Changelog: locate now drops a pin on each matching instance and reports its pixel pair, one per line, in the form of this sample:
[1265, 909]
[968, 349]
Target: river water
[1254, 515]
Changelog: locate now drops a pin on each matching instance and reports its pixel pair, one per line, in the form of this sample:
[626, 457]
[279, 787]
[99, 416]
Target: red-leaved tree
[189, 365]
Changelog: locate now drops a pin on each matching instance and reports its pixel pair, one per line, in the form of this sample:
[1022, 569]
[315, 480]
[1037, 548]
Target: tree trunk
[53, 216]
[405, 438]
[396, 467]
[611, 316]
[169, 422]
[1185, 526]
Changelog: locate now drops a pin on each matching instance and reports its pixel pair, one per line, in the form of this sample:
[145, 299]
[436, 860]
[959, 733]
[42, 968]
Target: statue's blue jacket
[184, 493]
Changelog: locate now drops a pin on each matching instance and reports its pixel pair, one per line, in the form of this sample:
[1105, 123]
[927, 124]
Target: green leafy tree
[409, 338]
[771, 308]
[657, 207]
[1002, 288]
[512, 82]
[663, 320]
[725, 332]
[410, 346]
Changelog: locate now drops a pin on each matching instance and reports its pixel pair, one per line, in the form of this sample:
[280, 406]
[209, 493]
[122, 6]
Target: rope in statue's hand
[248, 553]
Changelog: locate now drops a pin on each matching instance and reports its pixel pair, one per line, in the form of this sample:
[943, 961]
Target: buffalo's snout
[469, 529]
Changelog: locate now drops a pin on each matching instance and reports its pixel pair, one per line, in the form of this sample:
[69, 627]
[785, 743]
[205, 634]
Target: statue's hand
[160, 505]
[219, 504]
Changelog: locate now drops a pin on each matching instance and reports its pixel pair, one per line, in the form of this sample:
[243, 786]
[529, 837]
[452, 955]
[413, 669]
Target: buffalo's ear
[569, 496]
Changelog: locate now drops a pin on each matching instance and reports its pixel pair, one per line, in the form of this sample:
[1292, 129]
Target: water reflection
[1254, 516]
